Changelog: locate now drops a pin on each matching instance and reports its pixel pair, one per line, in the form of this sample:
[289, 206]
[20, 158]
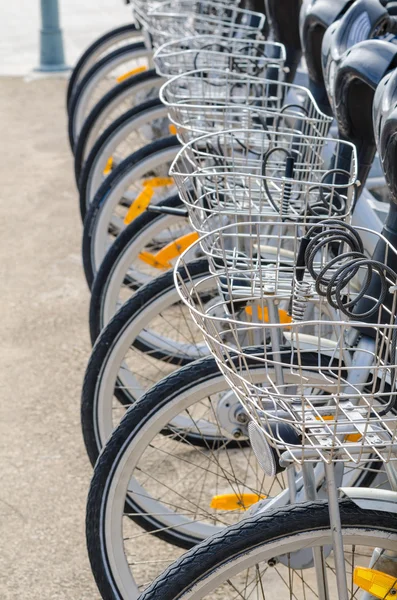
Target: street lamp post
[51, 43]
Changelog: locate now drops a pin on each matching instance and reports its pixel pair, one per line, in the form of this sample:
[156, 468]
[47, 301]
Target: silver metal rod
[291, 476]
[336, 529]
[319, 562]
[309, 481]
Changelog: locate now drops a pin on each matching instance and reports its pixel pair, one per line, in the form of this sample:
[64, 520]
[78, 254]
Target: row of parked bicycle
[240, 245]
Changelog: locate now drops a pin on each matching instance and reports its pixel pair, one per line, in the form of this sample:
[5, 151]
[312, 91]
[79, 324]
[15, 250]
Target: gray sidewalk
[81, 20]
[44, 349]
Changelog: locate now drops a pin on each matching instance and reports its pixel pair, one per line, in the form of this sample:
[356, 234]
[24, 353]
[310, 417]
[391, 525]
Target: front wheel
[272, 551]
[178, 451]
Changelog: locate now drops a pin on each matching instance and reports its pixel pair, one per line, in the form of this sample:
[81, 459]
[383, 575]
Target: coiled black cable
[333, 278]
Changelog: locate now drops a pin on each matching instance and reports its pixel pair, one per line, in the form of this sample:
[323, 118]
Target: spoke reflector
[162, 259]
[378, 584]
[263, 314]
[136, 71]
[140, 203]
[109, 166]
[235, 501]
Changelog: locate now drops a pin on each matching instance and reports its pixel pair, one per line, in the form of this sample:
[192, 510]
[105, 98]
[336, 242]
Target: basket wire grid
[249, 56]
[174, 19]
[320, 386]
[240, 173]
[211, 100]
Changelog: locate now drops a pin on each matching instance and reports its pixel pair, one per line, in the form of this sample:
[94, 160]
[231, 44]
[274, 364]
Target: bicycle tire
[110, 99]
[118, 329]
[115, 253]
[113, 130]
[249, 536]
[89, 55]
[125, 170]
[104, 65]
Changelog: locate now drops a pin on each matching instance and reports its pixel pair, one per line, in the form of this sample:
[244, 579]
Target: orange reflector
[172, 129]
[162, 259]
[235, 501]
[378, 584]
[325, 418]
[136, 71]
[263, 314]
[109, 166]
[158, 181]
[353, 437]
[140, 204]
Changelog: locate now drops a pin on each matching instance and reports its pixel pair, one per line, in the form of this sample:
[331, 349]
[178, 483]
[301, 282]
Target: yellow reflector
[353, 437]
[263, 314]
[378, 584]
[109, 166]
[140, 204]
[162, 259]
[158, 181]
[235, 501]
[325, 418]
[172, 129]
[142, 201]
[125, 76]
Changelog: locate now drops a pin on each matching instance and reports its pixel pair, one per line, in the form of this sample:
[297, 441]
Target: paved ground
[81, 20]
[44, 346]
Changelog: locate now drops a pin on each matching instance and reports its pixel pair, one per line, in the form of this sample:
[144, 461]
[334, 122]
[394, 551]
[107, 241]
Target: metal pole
[51, 44]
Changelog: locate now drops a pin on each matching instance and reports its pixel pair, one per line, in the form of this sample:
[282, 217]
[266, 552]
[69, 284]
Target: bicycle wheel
[105, 43]
[130, 132]
[104, 75]
[165, 466]
[139, 179]
[144, 250]
[129, 93]
[149, 337]
[267, 552]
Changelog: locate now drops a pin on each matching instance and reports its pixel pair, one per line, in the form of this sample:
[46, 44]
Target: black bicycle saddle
[315, 17]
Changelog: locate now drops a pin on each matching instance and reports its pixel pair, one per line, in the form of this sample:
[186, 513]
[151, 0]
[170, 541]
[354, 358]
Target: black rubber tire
[129, 312]
[121, 170]
[86, 79]
[101, 141]
[102, 40]
[246, 535]
[185, 378]
[121, 244]
[89, 123]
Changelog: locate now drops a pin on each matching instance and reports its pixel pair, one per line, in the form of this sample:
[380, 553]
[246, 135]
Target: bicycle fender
[372, 499]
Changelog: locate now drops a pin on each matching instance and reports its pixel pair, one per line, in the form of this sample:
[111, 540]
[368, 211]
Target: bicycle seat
[356, 77]
[315, 17]
[385, 135]
[385, 129]
[365, 19]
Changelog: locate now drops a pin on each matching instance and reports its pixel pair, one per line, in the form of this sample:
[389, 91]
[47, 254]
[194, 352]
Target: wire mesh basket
[210, 100]
[319, 386]
[174, 19]
[251, 56]
[229, 175]
[142, 8]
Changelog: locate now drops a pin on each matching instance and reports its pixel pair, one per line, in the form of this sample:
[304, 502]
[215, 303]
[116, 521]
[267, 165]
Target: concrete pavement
[44, 348]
